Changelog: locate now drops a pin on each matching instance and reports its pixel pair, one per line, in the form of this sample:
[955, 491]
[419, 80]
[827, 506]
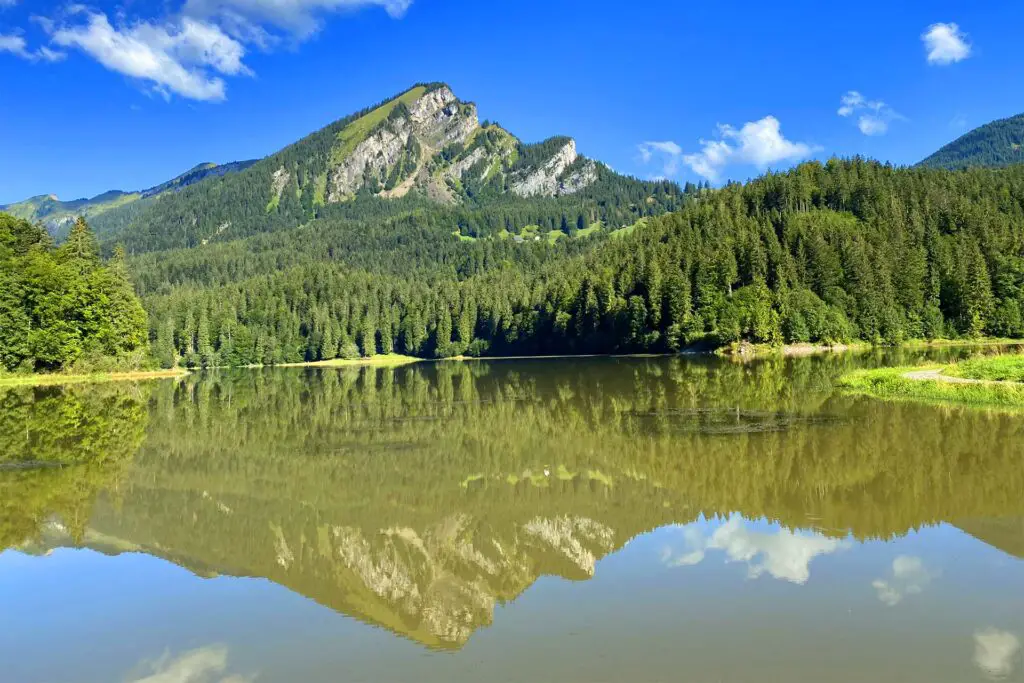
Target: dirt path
[936, 374]
[939, 377]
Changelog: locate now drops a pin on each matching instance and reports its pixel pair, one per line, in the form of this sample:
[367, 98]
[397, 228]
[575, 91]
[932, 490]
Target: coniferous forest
[847, 250]
[488, 246]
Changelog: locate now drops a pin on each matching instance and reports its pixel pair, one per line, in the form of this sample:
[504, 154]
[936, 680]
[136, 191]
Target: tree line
[849, 249]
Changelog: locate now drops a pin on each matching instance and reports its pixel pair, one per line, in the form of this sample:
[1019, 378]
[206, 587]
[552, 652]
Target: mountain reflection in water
[422, 499]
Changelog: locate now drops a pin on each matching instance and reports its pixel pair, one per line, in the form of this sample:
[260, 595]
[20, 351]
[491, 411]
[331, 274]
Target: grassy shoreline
[53, 379]
[748, 350]
[742, 351]
[896, 384]
[382, 360]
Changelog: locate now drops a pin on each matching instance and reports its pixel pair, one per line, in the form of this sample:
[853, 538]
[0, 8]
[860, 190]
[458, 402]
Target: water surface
[654, 519]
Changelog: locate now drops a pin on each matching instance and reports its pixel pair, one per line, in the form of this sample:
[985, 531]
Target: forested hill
[114, 208]
[851, 249]
[416, 152]
[992, 145]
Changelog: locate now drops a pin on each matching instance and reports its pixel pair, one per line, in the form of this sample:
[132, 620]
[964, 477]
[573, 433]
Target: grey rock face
[580, 179]
[434, 120]
[457, 169]
[547, 180]
[278, 181]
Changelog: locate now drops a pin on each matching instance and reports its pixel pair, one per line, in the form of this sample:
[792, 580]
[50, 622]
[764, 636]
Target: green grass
[628, 230]
[384, 359]
[891, 384]
[56, 378]
[586, 232]
[358, 130]
[978, 341]
[320, 190]
[1008, 368]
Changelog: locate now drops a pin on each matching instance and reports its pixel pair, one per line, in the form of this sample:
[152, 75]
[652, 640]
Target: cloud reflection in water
[783, 554]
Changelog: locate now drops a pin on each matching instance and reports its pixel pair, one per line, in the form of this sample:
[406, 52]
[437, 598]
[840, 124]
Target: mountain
[994, 144]
[423, 149]
[58, 215]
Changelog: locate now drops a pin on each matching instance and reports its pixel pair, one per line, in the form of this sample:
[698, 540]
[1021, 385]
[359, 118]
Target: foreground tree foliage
[62, 305]
[851, 249]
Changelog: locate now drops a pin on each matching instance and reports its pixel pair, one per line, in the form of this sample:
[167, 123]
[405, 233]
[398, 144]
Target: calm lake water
[642, 519]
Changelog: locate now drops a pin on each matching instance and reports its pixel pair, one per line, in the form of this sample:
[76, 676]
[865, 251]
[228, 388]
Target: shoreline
[737, 352]
[57, 379]
[743, 350]
[381, 360]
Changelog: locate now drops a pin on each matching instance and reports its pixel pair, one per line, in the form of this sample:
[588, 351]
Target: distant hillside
[992, 145]
[197, 173]
[112, 207]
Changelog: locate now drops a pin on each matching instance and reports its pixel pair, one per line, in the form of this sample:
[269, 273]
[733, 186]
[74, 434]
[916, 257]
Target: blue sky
[126, 95]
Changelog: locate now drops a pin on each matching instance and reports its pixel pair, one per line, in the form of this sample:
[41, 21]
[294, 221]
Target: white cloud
[8, 3]
[204, 665]
[16, 45]
[756, 143]
[667, 152]
[188, 53]
[874, 115]
[12, 43]
[995, 652]
[909, 577]
[301, 18]
[693, 555]
[945, 44]
[176, 58]
[872, 125]
[784, 555]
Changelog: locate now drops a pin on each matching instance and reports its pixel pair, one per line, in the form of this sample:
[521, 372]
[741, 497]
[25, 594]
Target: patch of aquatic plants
[726, 420]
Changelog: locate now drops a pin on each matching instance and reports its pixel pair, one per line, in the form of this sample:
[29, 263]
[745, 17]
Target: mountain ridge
[57, 215]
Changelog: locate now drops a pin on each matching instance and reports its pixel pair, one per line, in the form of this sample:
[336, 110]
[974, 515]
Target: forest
[826, 253]
[845, 250]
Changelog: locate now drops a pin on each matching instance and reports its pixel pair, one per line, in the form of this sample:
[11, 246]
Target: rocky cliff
[429, 141]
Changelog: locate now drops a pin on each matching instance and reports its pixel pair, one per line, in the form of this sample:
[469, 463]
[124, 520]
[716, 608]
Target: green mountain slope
[111, 208]
[994, 144]
[417, 151]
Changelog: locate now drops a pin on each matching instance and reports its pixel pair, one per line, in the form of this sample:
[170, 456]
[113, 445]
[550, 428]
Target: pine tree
[443, 335]
[164, 350]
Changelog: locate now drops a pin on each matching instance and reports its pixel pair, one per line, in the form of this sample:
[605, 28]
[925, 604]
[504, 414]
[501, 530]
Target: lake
[600, 519]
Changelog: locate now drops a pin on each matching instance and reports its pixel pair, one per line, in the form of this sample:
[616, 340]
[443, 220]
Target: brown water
[652, 519]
